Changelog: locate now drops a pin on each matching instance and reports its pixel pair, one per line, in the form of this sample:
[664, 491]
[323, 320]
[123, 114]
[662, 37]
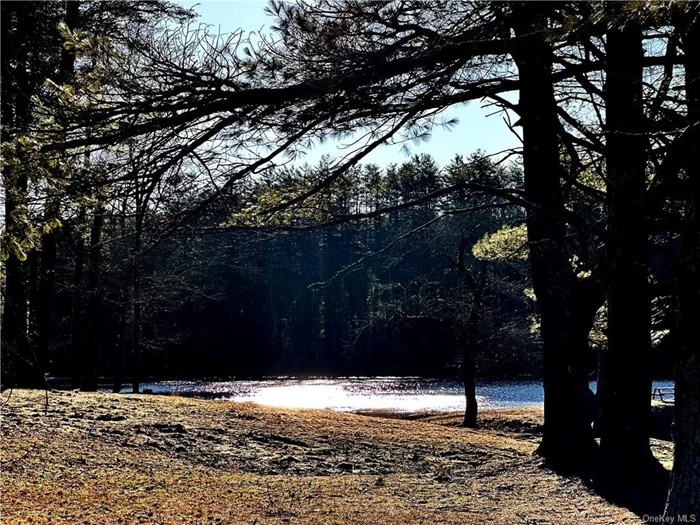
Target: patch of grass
[165, 460]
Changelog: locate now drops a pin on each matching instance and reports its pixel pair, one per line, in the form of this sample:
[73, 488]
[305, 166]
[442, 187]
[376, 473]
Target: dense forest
[324, 301]
[159, 219]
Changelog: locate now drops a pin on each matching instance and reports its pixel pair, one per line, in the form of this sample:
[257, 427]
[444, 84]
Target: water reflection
[401, 394]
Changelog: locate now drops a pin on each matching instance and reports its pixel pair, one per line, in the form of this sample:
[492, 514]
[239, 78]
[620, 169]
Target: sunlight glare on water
[397, 394]
[336, 396]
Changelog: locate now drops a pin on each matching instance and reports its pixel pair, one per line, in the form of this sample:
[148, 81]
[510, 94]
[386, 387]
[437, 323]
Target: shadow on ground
[642, 491]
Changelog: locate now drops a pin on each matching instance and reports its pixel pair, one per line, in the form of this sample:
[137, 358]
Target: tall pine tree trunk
[123, 337]
[136, 297]
[78, 299]
[119, 351]
[20, 365]
[93, 327]
[41, 314]
[567, 442]
[52, 212]
[684, 495]
[626, 384]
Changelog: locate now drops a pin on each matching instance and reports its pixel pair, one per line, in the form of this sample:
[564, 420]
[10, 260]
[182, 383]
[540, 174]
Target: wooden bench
[661, 392]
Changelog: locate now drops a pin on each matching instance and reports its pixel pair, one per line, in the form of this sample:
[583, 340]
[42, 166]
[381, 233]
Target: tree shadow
[641, 488]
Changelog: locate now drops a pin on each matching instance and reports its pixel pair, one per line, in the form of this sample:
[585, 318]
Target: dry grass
[105, 458]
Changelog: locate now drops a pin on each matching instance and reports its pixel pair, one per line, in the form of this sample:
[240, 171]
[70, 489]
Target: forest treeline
[156, 212]
[332, 300]
[343, 299]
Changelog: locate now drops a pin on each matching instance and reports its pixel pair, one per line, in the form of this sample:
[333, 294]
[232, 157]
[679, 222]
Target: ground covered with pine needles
[125, 459]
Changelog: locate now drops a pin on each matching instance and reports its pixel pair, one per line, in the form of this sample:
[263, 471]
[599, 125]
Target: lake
[400, 394]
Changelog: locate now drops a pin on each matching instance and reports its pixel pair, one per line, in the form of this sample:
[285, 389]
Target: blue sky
[475, 129]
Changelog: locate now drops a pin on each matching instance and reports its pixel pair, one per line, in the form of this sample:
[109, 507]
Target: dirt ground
[122, 459]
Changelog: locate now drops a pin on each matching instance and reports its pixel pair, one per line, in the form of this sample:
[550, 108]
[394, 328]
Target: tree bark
[567, 443]
[684, 494]
[49, 242]
[93, 336]
[41, 314]
[119, 352]
[626, 383]
[471, 339]
[136, 297]
[78, 298]
[20, 366]
[123, 337]
[471, 410]
[587, 297]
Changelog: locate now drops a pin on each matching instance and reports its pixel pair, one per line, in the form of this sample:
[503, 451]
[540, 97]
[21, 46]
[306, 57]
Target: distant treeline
[335, 300]
[385, 295]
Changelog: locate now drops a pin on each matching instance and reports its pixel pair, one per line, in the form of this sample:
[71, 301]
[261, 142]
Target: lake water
[400, 394]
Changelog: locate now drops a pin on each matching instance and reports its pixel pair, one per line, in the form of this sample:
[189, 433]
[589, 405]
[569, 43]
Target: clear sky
[475, 130]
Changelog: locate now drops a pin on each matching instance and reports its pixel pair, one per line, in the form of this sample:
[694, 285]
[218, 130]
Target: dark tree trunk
[78, 298]
[567, 442]
[123, 336]
[469, 344]
[32, 265]
[684, 495]
[49, 242]
[20, 366]
[587, 297]
[136, 291]
[626, 383]
[142, 196]
[119, 352]
[93, 336]
[471, 410]
[45, 289]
